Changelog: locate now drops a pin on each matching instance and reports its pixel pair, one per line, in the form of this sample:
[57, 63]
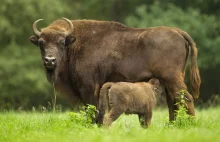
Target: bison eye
[62, 43]
[41, 42]
[155, 88]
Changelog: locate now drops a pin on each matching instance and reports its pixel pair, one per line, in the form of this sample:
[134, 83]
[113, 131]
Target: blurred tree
[118, 10]
[205, 6]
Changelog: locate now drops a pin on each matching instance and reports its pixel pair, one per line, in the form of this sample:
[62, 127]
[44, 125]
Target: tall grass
[40, 127]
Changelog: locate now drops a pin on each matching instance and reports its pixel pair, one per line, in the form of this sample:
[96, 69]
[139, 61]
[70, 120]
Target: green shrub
[183, 120]
[85, 116]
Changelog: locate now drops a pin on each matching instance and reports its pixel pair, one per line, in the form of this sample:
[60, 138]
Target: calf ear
[34, 39]
[69, 40]
[154, 81]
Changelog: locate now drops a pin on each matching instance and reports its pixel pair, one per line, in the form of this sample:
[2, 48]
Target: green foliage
[182, 112]
[60, 127]
[183, 120]
[90, 112]
[85, 116]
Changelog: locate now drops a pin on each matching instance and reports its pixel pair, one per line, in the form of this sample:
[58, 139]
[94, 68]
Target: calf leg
[99, 116]
[145, 119]
[100, 113]
[141, 119]
[148, 117]
[111, 116]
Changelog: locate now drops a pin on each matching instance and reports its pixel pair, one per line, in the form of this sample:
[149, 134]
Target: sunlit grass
[24, 126]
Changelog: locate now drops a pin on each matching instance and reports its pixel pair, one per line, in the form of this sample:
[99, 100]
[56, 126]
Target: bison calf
[131, 98]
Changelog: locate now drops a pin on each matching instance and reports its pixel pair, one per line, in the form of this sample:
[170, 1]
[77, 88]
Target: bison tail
[104, 100]
[195, 80]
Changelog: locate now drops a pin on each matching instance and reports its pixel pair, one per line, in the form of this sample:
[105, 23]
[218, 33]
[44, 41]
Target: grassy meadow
[40, 127]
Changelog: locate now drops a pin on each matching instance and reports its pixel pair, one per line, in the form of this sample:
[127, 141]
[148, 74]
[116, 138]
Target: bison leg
[111, 116]
[170, 102]
[189, 104]
[173, 86]
[96, 93]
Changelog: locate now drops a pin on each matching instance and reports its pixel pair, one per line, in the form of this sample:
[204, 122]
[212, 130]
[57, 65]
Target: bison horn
[71, 27]
[36, 32]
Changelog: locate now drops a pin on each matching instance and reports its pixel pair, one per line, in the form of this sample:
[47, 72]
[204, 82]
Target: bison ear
[69, 40]
[154, 81]
[34, 39]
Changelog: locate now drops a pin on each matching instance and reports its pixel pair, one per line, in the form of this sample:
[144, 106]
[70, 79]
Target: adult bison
[81, 55]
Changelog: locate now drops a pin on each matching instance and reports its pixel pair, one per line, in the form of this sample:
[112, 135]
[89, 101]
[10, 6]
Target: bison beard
[100, 51]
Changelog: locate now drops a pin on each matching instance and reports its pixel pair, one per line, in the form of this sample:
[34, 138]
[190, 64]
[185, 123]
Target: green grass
[40, 127]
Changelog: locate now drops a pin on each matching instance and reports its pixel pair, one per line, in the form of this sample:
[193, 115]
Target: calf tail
[195, 80]
[104, 101]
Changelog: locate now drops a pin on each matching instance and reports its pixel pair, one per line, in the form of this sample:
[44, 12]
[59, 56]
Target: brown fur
[195, 80]
[131, 98]
[109, 51]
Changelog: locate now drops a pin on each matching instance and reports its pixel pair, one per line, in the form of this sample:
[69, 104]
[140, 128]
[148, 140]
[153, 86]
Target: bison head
[53, 42]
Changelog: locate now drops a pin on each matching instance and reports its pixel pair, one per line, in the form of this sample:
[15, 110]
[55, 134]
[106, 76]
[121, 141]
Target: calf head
[53, 42]
[157, 86]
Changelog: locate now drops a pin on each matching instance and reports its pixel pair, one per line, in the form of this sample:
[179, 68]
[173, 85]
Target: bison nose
[49, 60]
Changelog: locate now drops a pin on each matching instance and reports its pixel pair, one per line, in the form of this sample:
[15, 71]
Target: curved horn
[36, 32]
[71, 27]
